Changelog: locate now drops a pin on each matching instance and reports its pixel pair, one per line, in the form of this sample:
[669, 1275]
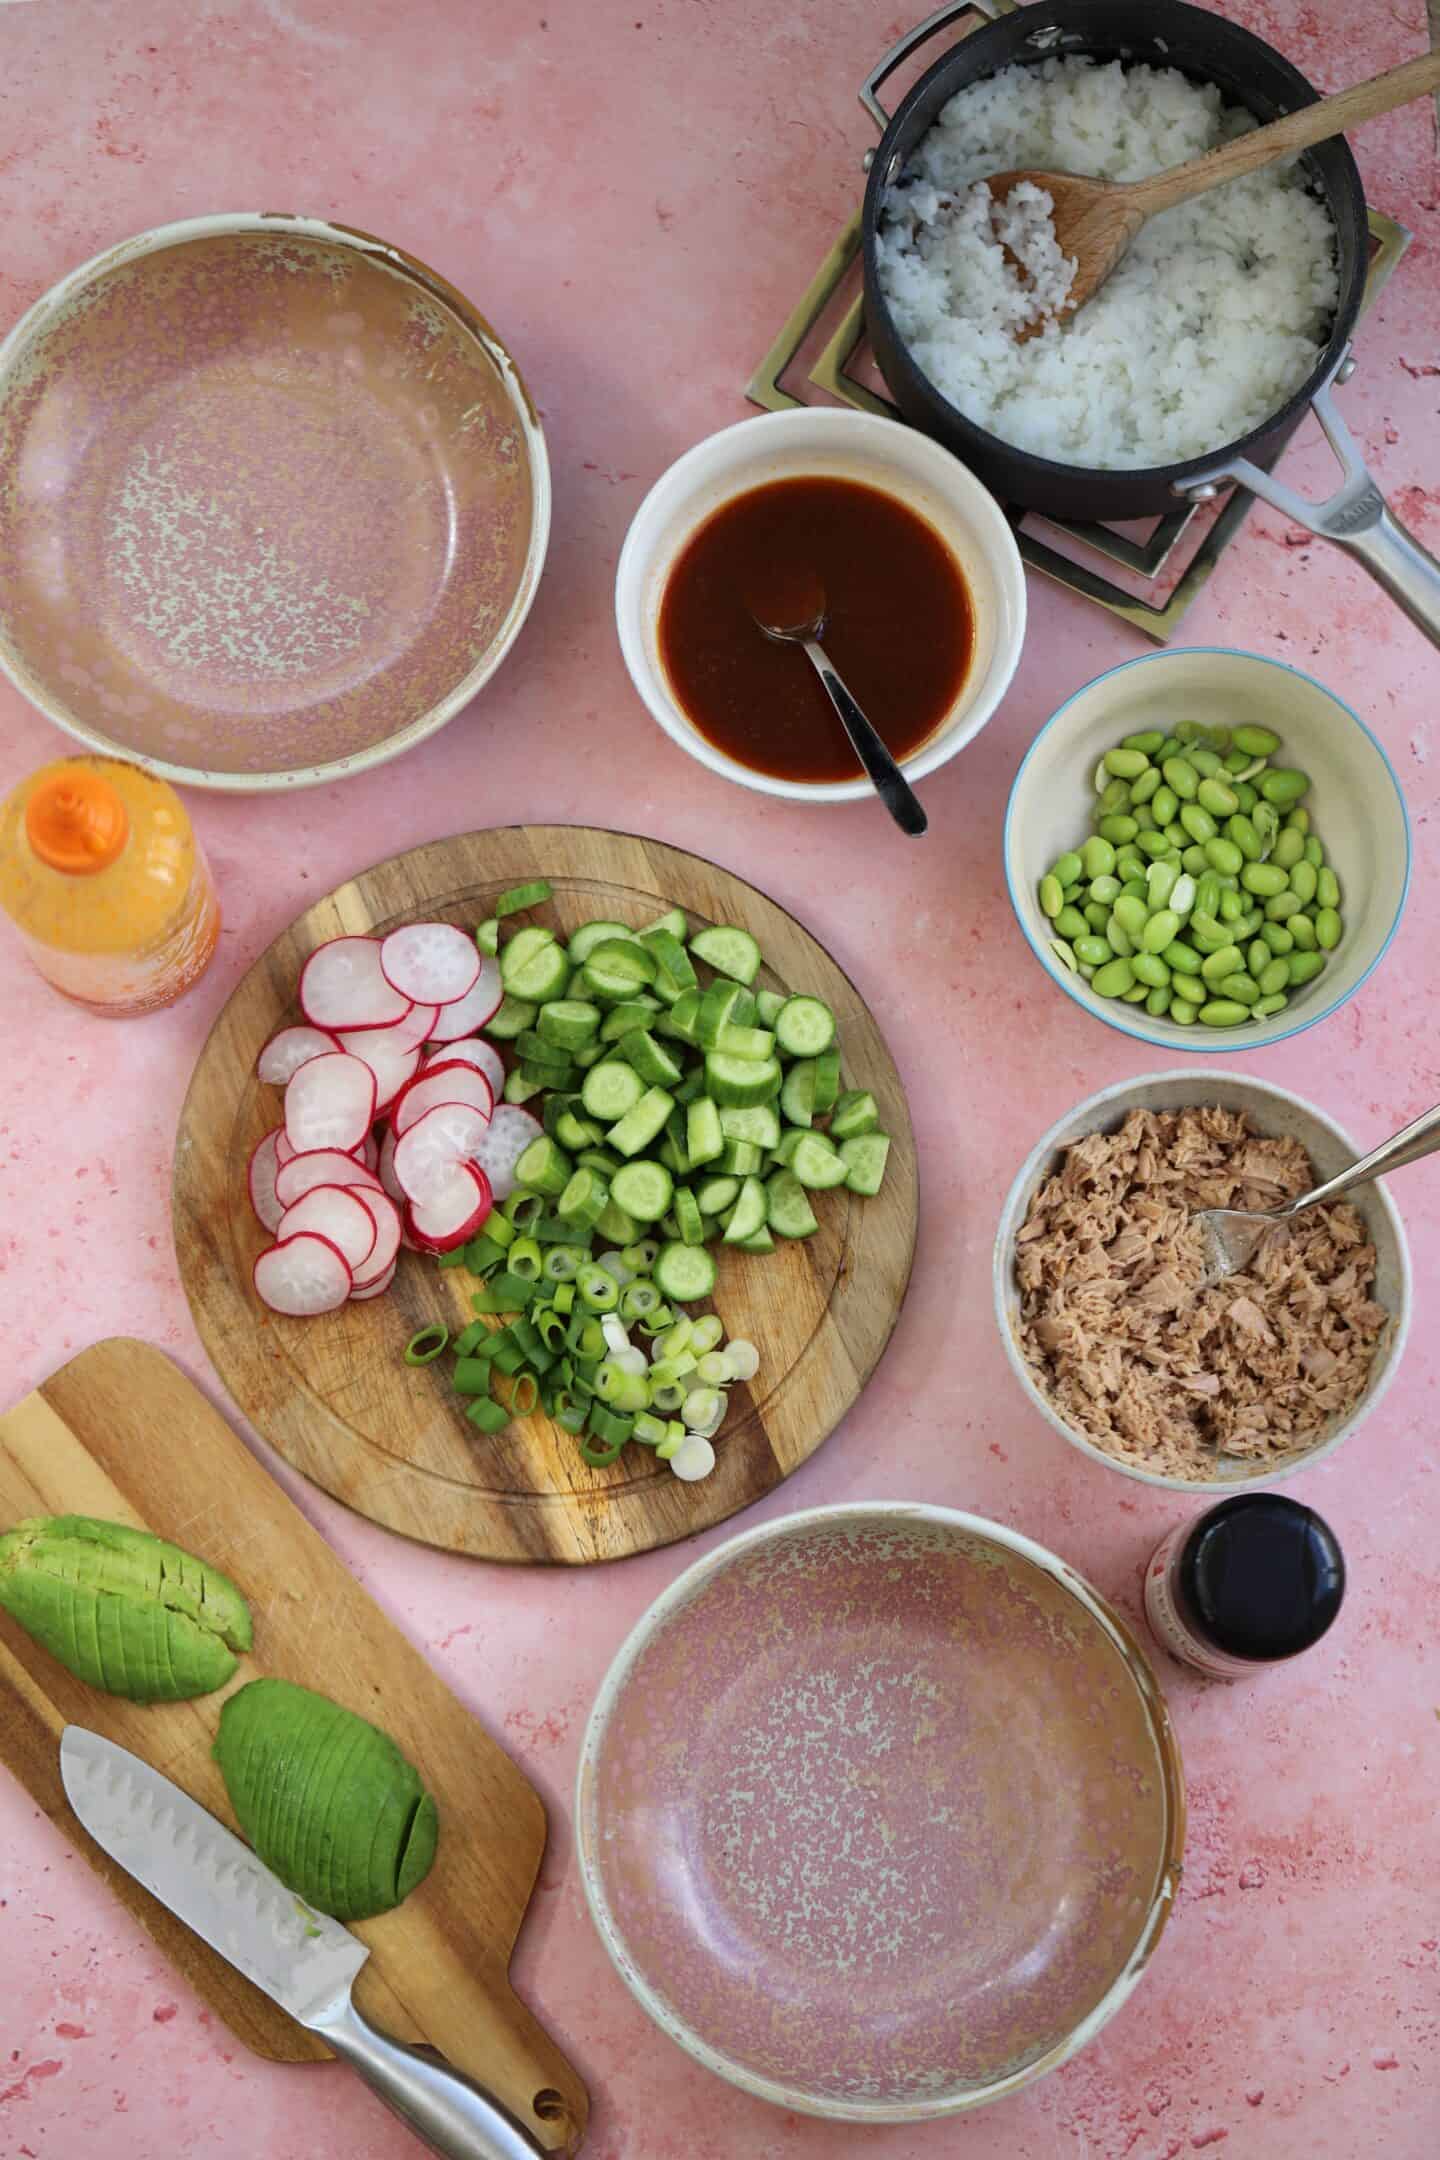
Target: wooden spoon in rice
[1096, 220]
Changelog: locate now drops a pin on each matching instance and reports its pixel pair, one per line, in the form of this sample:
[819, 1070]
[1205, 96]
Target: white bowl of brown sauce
[924, 599]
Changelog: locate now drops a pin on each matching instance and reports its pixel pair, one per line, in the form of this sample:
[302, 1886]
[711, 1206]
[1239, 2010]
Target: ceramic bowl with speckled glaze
[274, 502]
[879, 1812]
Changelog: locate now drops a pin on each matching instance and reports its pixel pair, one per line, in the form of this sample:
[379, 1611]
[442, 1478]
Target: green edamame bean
[1135, 995]
[1327, 888]
[1158, 1003]
[1118, 938]
[1279, 936]
[1176, 834]
[1235, 762]
[1181, 778]
[1198, 822]
[1327, 929]
[1097, 857]
[1249, 925]
[1150, 968]
[1205, 933]
[1161, 931]
[1067, 867]
[1148, 740]
[1240, 989]
[1135, 888]
[1115, 795]
[1114, 979]
[1182, 899]
[1289, 849]
[1302, 931]
[1105, 888]
[1192, 859]
[1275, 975]
[1160, 882]
[1184, 1015]
[1314, 853]
[1258, 957]
[1084, 972]
[1052, 896]
[1263, 879]
[1097, 914]
[1070, 923]
[1153, 844]
[1171, 747]
[1304, 967]
[1266, 820]
[1283, 906]
[1284, 785]
[1222, 1013]
[1267, 1006]
[1241, 830]
[1189, 989]
[1164, 803]
[1181, 959]
[1126, 764]
[1144, 788]
[1303, 880]
[1207, 893]
[1143, 816]
[1117, 829]
[1223, 855]
[1093, 951]
[1063, 953]
[1246, 796]
[1255, 741]
[1206, 762]
[1299, 821]
[1129, 862]
[1232, 907]
[1225, 960]
[1131, 914]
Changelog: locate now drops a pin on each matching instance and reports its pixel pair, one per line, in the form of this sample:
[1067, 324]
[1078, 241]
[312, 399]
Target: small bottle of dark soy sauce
[1254, 1581]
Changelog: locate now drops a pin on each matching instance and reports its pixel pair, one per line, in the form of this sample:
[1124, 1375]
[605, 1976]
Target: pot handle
[911, 42]
[1356, 517]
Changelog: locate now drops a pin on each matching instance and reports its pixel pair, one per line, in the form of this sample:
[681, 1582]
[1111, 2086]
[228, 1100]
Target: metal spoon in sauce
[792, 612]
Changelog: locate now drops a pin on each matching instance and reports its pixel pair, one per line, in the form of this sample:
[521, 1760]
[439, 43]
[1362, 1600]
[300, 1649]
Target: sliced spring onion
[489, 1415]
[426, 1344]
[703, 1406]
[742, 1359]
[706, 1333]
[613, 1330]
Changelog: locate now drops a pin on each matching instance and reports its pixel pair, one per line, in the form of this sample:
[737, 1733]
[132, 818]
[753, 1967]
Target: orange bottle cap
[75, 821]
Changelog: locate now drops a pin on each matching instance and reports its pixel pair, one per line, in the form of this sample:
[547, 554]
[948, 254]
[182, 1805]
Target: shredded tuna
[1130, 1350]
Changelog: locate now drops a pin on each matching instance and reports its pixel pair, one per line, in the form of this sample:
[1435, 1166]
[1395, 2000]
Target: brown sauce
[898, 625]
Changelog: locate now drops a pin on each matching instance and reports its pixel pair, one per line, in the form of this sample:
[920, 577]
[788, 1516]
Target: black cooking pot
[1162, 33]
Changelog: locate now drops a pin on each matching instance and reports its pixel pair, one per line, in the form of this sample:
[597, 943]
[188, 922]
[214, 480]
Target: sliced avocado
[327, 1800]
[122, 1610]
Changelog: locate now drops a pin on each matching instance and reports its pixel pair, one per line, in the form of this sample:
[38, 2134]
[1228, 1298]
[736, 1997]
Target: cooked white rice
[1215, 317]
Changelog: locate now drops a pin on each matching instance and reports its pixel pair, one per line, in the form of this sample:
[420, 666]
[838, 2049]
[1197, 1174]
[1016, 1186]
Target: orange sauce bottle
[101, 873]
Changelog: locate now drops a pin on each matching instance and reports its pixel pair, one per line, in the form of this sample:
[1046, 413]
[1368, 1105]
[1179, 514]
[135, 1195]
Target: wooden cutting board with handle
[334, 1395]
[120, 1432]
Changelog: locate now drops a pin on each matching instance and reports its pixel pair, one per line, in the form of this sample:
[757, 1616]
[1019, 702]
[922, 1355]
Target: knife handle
[444, 2108]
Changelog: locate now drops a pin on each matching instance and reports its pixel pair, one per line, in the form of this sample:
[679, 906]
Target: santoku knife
[303, 1960]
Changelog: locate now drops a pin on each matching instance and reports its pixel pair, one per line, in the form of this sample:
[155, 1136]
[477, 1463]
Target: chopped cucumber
[675, 971]
[600, 1159]
[804, 1027]
[816, 1164]
[739, 1159]
[688, 1219]
[748, 1214]
[533, 1047]
[714, 1012]
[590, 1055]
[642, 1124]
[864, 1158]
[591, 934]
[520, 897]
[789, 1140]
[543, 1168]
[735, 1082]
[679, 1021]
[615, 1226]
[584, 1199]
[610, 1089]
[576, 1133]
[674, 1157]
[533, 966]
[511, 1017]
[568, 1022]
[746, 1011]
[544, 1074]
[637, 1012]
[797, 1096]
[855, 1113]
[745, 1042]
[789, 1211]
[827, 1081]
[760, 1125]
[692, 1087]
[672, 920]
[644, 1190]
[650, 1059]
[767, 1006]
[519, 1090]
[761, 1242]
[624, 958]
[487, 936]
[683, 1273]
[717, 1194]
[704, 1131]
[729, 951]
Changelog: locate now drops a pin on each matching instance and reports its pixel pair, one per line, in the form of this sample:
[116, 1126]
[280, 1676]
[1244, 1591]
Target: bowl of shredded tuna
[1110, 1327]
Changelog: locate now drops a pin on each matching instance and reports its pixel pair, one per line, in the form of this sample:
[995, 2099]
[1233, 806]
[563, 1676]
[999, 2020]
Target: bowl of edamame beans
[1207, 849]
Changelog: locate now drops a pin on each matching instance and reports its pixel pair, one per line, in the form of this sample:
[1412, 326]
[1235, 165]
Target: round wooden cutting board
[334, 1394]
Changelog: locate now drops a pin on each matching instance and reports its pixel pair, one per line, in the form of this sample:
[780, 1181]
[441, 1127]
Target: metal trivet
[1165, 561]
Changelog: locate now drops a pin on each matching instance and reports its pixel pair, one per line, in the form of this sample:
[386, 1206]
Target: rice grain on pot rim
[1218, 313]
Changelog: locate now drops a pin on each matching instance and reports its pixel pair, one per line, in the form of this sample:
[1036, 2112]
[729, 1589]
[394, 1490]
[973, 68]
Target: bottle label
[1168, 1624]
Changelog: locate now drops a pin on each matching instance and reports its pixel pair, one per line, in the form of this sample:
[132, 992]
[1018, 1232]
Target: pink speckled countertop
[636, 194]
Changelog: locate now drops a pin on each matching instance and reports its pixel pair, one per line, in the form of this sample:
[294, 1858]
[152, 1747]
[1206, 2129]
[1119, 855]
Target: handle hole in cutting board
[549, 2105]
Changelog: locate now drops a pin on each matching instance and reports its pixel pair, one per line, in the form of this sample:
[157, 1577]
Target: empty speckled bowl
[273, 501]
[879, 1812]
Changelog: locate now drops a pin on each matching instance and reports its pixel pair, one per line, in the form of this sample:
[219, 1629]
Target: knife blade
[302, 1959]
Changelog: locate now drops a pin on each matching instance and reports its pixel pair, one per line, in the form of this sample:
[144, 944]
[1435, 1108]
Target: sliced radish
[454, 1083]
[504, 1141]
[385, 1169]
[261, 1179]
[479, 1004]
[407, 1034]
[287, 1051]
[342, 985]
[453, 1210]
[393, 1068]
[325, 1166]
[482, 1055]
[426, 1155]
[388, 1224]
[368, 1151]
[375, 1289]
[334, 1213]
[284, 1147]
[330, 1102]
[431, 962]
[302, 1275]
